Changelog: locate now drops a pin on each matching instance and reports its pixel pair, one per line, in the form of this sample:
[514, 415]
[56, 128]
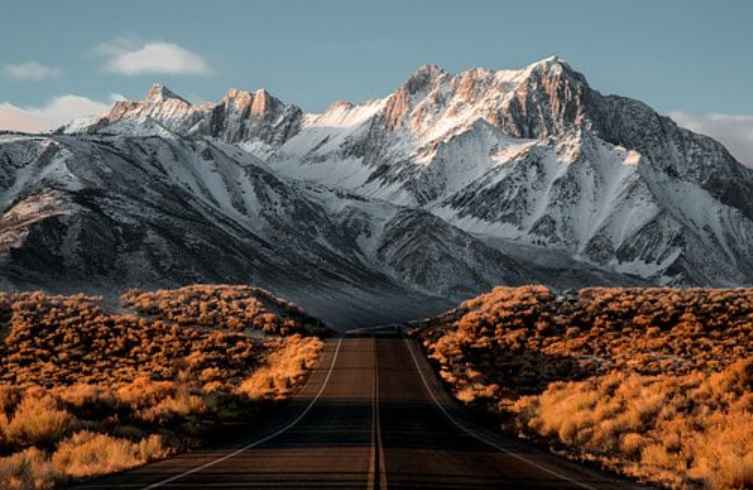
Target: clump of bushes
[284, 369]
[84, 392]
[70, 431]
[683, 431]
[89, 453]
[58, 340]
[234, 308]
[654, 382]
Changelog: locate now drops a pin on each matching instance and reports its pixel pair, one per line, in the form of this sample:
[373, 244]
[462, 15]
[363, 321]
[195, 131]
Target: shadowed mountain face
[449, 185]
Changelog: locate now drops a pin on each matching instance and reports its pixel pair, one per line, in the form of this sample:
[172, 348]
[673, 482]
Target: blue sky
[687, 56]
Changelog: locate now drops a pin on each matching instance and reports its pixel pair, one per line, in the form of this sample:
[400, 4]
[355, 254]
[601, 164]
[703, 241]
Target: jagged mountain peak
[428, 69]
[423, 77]
[555, 70]
[429, 73]
[340, 104]
[517, 75]
[259, 101]
[543, 98]
[241, 116]
[158, 92]
[236, 93]
[246, 100]
[262, 92]
[549, 62]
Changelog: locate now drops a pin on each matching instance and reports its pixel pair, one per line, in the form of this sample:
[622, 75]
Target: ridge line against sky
[689, 59]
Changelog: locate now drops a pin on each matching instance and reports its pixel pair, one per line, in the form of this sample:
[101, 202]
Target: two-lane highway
[374, 416]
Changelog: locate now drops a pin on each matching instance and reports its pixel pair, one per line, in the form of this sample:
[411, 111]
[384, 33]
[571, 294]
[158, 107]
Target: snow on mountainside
[450, 183]
[105, 212]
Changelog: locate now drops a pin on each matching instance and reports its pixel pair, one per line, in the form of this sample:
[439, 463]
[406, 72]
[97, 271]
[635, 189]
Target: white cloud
[735, 132]
[58, 111]
[127, 57]
[31, 71]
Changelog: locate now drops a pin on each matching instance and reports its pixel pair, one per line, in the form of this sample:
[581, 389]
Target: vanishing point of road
[373, 415]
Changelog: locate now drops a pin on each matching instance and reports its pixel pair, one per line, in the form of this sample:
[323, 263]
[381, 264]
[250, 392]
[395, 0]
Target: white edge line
[263, 439]
[484, 439]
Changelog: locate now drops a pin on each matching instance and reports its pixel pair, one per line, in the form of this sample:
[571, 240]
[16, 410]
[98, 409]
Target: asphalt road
[373, 415]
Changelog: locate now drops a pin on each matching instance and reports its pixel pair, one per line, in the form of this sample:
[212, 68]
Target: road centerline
[379, 477]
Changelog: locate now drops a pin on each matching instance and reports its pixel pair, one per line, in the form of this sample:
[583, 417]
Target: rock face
[448, 185]
[252, 118]
[537, 157]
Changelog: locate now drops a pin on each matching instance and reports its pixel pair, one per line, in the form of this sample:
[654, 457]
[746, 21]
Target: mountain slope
[531, 157]
[527, 155]
[110, 212]
[548, 179]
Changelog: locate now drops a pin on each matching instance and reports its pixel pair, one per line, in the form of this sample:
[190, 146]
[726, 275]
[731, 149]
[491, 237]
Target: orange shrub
[234, 308]
[653, 382]
[85, 392]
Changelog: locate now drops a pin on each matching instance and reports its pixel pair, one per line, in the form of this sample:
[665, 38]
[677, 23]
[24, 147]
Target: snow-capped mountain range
[449, 185]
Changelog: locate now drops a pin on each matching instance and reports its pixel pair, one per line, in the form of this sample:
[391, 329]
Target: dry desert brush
[85, 392]
[656, 383]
